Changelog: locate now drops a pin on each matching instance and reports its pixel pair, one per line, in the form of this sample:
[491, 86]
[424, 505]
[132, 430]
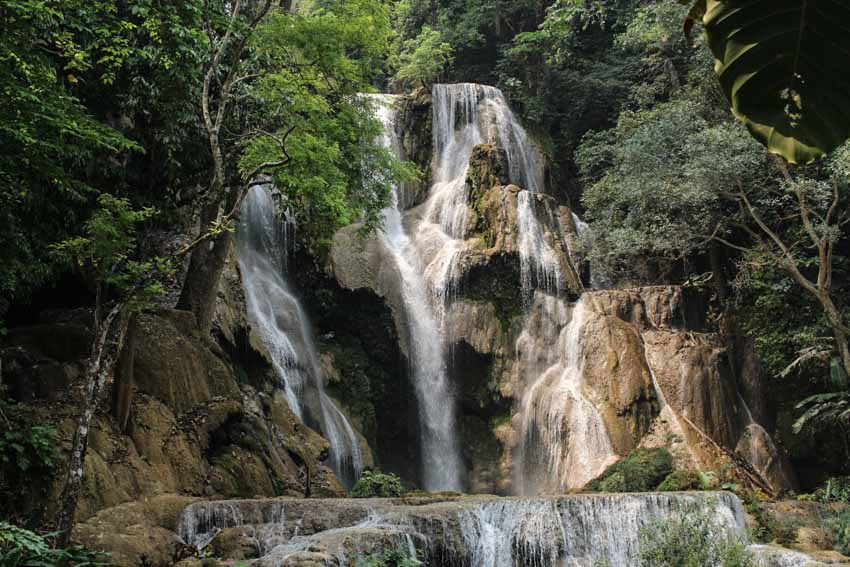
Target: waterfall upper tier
[541, 405]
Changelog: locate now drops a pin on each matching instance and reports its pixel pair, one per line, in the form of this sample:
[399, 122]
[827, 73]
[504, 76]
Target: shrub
[682, 479]
[835, 489]
[838, 528]
[642, 470]
[690, 539]
[396, 557]
[27, 457]
[768, 528]
[377, 485]
[23, 548]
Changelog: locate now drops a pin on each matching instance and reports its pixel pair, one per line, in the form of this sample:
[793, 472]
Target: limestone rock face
[618, 380]
[362, 263]
[175, 366]
[194, 428]
[138, 533]
[693, 375]
[415, 136]
[495, 211]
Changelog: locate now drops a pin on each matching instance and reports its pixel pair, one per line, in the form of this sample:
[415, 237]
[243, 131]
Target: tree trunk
[122, 386]
[716, 262]
[206, 265]
[101, 363]
[837, 324]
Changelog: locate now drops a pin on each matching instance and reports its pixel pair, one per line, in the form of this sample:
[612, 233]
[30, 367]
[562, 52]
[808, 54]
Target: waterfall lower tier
[280, 323]
[575, 531]
[564, 443]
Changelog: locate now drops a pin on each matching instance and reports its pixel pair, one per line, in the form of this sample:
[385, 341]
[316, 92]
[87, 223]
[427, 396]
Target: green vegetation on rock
[835, 489]
[643, 470]
[394, 557]
[838, 528]
[682, 480]
[689, 539]
[377, 485]
[23, 548]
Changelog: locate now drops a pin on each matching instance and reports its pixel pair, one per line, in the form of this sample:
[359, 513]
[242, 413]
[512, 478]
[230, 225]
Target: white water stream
[563, 441]
[442, 469]
[425, 244]
[279, 320]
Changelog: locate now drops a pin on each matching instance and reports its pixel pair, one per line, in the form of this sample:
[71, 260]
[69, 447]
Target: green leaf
[783, 66]
[838, 374]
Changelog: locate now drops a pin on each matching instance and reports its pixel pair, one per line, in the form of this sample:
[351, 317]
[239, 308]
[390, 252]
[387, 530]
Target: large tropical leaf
[785, 67]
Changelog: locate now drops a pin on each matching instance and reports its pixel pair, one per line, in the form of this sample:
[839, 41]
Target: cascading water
[278, 319]
[563, 440]
[464, 115]
[598, 279]
[572, 531]
[580, 531]
[442, 468]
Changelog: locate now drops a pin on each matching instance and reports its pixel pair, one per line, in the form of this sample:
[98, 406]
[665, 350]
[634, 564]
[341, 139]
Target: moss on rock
[643, 470]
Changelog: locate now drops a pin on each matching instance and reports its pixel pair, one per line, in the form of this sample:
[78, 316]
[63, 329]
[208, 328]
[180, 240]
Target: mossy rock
[681, 480]
[378, 485]
[643, 470]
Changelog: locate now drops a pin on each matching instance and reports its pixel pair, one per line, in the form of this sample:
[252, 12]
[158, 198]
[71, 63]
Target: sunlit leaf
[783, 67]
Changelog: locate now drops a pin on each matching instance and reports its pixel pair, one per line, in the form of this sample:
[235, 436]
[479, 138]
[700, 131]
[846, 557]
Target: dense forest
[328, 271]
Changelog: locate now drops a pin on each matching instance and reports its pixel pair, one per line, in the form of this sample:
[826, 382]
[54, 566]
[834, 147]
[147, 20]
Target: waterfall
[585, 530]
[425, 250]
[464, 116]
[561, 429]
[442, 468]
[598, 278]
[579, 531]
[539, 265]
[279, 320]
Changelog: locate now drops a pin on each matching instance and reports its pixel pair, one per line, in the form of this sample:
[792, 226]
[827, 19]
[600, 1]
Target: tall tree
[229, 29]
[299, 122]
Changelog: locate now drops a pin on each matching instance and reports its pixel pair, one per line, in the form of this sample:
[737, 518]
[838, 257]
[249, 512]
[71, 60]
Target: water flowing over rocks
[280, 323]
[578, 530]
[546, 402]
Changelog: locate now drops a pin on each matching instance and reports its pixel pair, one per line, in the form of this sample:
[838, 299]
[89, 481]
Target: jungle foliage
[23, 548]
[102, 98]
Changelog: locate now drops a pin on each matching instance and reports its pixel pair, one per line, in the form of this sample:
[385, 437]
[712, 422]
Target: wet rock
[235, 544]
[619, 381]
[138, 534]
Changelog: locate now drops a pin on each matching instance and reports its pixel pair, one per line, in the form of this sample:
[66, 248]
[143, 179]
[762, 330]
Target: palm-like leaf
[823, 410]
[785, 67]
